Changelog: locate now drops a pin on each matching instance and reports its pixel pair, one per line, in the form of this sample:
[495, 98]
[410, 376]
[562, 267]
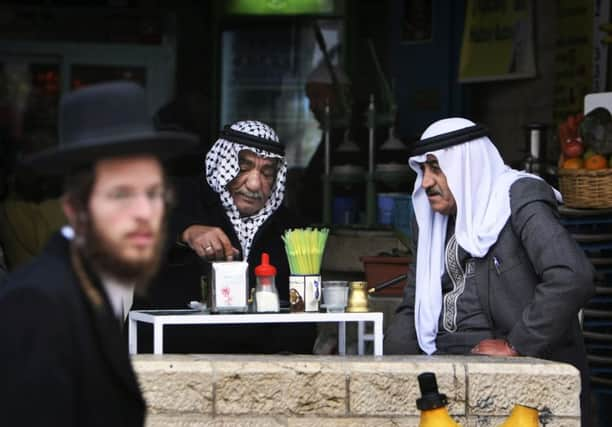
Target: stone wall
[505, 107]
[322, 391]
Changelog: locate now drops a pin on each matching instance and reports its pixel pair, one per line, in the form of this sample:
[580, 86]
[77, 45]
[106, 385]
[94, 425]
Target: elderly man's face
[126, 211]
[252, 187]
[434, 183]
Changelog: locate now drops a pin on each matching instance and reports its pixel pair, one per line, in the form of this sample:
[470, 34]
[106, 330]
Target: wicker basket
[582, 188]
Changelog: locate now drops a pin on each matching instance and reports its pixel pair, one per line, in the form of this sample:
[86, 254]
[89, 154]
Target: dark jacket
[179, 280]
[63, 361]
[533, 295]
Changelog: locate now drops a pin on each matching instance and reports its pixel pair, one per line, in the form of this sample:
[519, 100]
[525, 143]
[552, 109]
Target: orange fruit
[588, 153]
[573, 163]
[596, 161]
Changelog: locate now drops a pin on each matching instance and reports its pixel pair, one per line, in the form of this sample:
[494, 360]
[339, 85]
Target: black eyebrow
[245, 160]
[270, 166]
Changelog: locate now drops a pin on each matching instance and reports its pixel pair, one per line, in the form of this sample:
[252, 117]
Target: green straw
[305, 248]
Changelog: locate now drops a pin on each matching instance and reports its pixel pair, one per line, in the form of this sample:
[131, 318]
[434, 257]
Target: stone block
[497, 384]
[354, 422]
[175, 384]
[484, 421]
[226, 390]
[390, 386]
[279, 385]
[207, 421]
[361, 422]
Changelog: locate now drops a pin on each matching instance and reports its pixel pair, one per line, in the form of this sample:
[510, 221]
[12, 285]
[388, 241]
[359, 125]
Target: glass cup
[335, 295]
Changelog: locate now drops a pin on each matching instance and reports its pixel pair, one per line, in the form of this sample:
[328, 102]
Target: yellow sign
[497, 41]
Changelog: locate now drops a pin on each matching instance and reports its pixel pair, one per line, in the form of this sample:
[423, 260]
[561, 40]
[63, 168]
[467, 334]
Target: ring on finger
[208, 248]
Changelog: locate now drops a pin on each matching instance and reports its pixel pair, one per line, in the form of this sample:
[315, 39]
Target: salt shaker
[266, 294]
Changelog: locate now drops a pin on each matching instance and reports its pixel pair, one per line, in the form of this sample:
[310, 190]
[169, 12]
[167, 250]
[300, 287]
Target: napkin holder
[229, 287]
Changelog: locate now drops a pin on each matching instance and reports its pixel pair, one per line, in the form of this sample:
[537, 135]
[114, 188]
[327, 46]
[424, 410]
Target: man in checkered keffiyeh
[233, 211]
[246, 168]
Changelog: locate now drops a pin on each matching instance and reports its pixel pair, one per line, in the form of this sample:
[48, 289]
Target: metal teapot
[358, 297]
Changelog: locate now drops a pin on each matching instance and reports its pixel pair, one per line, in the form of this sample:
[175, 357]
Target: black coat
[63, 360]
[179, 281]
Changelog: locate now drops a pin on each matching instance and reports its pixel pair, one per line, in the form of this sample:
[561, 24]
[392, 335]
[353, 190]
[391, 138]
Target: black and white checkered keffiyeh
[222, 167]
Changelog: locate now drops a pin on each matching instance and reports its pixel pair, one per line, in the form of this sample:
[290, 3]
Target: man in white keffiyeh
[446, 178]
[496, 272]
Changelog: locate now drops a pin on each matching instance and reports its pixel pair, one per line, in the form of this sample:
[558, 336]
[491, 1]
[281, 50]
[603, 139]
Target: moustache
[144, 230]
[250, 194]
[433, 191]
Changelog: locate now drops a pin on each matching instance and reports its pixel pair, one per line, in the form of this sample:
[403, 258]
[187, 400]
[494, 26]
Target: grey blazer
[533, 295]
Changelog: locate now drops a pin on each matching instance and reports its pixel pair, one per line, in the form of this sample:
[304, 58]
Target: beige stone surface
[281, 386]
[175, 384]
[486, 421]
[321, 391]
[204, 421]
[495, 386]
[390, 386]
[412, 421]
[354, 422]
[563, 422]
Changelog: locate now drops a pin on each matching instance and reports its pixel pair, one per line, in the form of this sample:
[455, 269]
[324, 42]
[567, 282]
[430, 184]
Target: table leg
[342, 338]
[360, 338]
[378, 337]
[158, 338]
[132, 336]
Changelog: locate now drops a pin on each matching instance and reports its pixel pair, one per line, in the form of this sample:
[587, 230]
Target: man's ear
[69, 210]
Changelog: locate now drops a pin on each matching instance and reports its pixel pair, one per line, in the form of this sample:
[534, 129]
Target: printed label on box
[230, 284]
[312, 290]
[296, 293]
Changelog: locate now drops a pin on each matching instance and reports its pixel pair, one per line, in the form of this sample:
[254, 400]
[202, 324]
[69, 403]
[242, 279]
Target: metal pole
[327, 191]
[370, 184]
[326, 136]
[371, 125]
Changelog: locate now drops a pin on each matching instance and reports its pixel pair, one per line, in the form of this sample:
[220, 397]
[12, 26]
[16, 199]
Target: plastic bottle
[433, 404]
[266, 294]
[522, 416]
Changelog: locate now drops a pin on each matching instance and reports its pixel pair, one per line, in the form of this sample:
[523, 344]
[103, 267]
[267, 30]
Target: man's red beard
[105, 258]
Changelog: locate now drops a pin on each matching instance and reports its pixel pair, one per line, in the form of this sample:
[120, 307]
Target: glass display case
[29, 97]
[87, 74]
[264, 70]
[34, 75]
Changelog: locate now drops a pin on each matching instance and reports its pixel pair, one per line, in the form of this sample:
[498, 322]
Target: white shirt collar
[120, 296]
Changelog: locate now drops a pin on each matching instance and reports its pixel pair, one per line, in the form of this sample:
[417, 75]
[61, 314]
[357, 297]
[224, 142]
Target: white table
[159, 318]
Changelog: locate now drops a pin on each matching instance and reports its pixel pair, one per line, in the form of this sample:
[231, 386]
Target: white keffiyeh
[222, 167]
[480, 183]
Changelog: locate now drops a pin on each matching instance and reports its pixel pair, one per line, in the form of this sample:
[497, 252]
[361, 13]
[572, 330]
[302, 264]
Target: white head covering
[480, 183]
[222, 167]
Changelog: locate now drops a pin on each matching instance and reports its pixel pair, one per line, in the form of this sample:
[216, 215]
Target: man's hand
[491, 347]
[210, 243]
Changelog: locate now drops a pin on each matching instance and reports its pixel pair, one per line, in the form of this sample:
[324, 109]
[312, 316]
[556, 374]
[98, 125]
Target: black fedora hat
[106, 120]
